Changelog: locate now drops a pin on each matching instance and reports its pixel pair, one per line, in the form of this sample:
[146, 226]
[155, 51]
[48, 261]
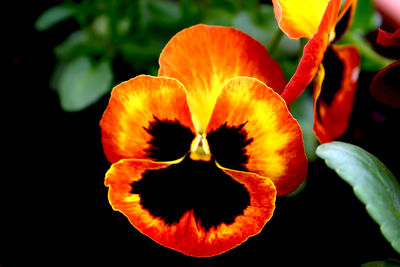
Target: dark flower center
[170, 140]
[228, 146]
[200, 186]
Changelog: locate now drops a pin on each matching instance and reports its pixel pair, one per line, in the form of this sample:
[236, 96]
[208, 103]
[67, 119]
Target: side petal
[313, 54]
[274, 146]
[334, 91]
[299, 18]
[385, 85]
[187, 235]
[205, 57]
[135, 108]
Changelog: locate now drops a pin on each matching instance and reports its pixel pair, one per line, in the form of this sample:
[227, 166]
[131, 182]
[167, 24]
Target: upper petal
[300, 18]
[205, 57]
[187, 234]
[273, 145]
[135, 109]
[313, 54]
[334, 92]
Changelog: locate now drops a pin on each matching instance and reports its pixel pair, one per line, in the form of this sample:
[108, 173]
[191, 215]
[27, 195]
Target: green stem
[275, 41]
[366, 50]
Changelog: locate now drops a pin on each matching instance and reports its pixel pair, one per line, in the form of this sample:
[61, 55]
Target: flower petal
[134, 110]
[299, 18]
[205, 57]
[334, 91]
[344, 19]
[187, 235]
[276, 149]
[389, 39]
[385, 85]
[313, 54]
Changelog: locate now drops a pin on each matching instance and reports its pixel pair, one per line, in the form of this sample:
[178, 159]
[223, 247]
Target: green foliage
[53, 16]
[372, 182]
[82, 82]
[386, 263]
[302, 111]
[136, 32]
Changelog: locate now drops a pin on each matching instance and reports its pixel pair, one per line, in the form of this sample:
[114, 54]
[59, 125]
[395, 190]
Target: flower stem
[366, 50]
[275, 41]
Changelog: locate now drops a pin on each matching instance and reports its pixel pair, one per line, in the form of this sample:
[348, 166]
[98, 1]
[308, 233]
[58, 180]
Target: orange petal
[187, 234]
[334, 92]
[299, 18]
[204, 58]
[313, 54]
[274, 146]
[135, 107]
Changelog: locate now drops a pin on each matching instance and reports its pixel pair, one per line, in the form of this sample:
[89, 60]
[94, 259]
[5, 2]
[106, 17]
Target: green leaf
[386, 263]
[82, 83]
[53, 16]
[372, 182]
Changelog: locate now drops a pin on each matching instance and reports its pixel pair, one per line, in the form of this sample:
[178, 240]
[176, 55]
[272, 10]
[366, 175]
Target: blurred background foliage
[121, 36]
[118, 39]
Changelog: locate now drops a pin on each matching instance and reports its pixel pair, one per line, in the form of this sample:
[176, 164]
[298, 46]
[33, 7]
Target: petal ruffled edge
[188, 236]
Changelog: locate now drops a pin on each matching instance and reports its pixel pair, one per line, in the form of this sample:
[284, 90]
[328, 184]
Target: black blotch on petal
[342, 25]
[200, 186]
[228, 146]
[170, 139]
[333, 78]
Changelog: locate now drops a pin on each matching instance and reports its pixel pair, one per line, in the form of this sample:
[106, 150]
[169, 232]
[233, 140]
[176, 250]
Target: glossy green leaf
[53, 16]
[82, 83]
[373, 184]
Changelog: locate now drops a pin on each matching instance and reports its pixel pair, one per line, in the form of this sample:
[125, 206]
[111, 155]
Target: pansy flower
[323, 22]
[200, 152]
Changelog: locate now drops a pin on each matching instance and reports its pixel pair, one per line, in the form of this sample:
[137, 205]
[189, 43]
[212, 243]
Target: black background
[53, 203]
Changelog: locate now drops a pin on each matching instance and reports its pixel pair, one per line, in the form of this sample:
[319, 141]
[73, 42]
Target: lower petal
[187, 235]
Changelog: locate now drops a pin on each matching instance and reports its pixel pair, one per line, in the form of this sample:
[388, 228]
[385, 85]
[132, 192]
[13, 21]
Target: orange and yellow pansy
[200, 152]
[323, 22]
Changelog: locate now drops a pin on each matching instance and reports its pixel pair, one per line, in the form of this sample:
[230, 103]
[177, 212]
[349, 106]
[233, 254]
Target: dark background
[53, 203]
